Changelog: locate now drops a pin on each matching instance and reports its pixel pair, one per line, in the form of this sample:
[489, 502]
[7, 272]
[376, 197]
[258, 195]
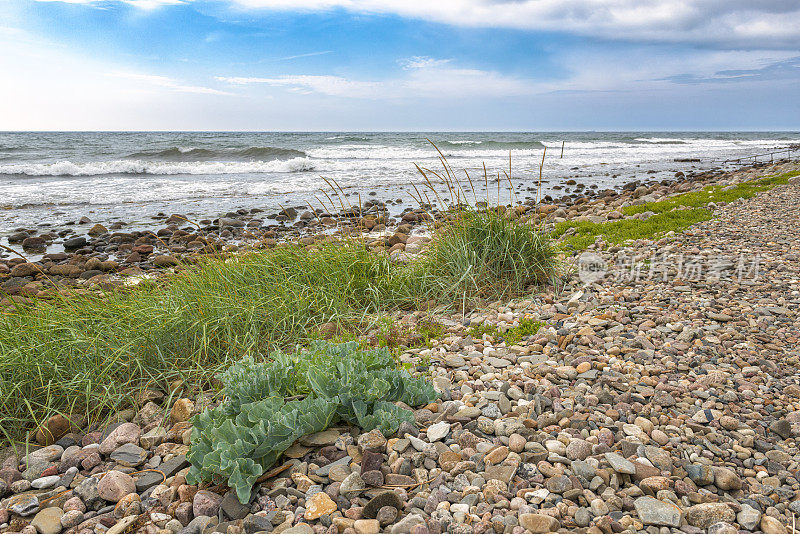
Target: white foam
[99, 168]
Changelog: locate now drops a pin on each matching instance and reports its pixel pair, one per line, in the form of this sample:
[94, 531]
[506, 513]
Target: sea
[49, 179]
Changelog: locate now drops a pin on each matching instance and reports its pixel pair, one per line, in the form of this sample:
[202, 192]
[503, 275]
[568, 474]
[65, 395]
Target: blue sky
[399, 64]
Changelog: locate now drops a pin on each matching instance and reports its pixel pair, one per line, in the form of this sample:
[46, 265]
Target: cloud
[762, 24]
[54, 88]
[587, 71]
[310, 54]
[428, 78]
[725, 23]
[788, 69]
[422, 62]
[141, 4]
[167, 83]
[323, 84]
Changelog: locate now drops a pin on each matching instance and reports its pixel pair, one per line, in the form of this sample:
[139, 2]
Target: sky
[377, 65]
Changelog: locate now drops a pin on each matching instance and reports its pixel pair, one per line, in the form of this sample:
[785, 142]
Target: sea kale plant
[240, 439]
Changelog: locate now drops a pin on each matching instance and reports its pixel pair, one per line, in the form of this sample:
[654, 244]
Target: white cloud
[766, 24]
[166, 83]
[326, 85]
[141, 4]
[429, 78]
[422, 62]
[727, 23]
[589, 71]
[309, 54]
[48, 87]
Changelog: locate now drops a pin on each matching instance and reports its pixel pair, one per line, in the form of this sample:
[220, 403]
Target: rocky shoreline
[93, 255]
[658, 403]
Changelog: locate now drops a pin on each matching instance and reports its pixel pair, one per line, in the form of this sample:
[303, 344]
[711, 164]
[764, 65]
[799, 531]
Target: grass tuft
[485, 254]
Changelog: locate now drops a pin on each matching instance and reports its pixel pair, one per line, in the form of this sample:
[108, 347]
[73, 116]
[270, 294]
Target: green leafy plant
[512, 336]
[393, 334]
[244, 436]
[430, 329]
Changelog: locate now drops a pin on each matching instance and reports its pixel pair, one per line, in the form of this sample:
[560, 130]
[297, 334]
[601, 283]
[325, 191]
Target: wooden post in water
[562, 150]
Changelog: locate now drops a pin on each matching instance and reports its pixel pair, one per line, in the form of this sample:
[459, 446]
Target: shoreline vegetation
[89, 352]
[463, 333]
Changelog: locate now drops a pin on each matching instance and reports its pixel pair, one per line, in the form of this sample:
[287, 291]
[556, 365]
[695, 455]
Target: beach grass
[673, 214]
[485, 254]
[90, 354]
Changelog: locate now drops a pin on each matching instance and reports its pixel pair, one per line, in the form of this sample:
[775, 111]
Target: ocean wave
[659, 141]
[347, 138]
[490, 144]
[253, 153]
[100, 168]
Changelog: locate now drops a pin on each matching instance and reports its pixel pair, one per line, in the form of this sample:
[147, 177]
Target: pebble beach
[655, 398]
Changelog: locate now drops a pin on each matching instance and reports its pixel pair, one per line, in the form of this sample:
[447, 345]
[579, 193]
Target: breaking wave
[347, 138]
[477, 145]
[99, 168]
[254, 153]
[658, 141]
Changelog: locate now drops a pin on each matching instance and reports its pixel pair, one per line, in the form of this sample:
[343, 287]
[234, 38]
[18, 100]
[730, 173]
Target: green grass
[619, 232]
[714, 193]
[89, 354]
[512, 336]
[485, 254]
[675, 214]
[392, 335]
